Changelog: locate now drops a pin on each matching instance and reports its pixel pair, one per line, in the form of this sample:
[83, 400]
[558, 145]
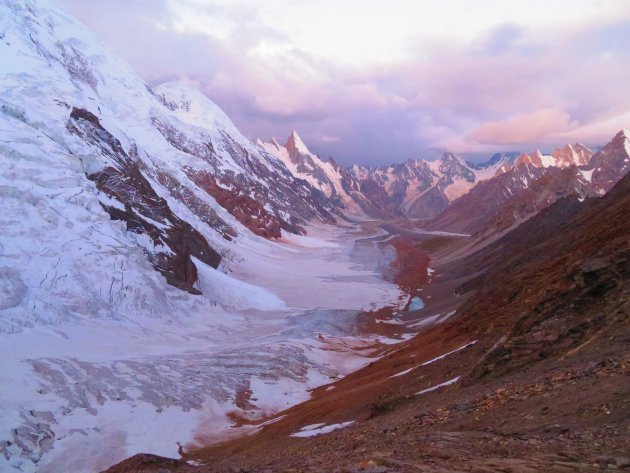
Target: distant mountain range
[458, 189]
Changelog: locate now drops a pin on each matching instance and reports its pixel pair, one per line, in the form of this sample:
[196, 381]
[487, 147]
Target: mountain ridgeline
[450, 191]
[170, 165]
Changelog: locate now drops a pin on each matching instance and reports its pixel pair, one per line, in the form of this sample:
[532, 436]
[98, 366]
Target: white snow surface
[441, 357]
[402, 373]
[433, 360]
[438, 386]
[626, 143]
[112, 385]
[319, 429]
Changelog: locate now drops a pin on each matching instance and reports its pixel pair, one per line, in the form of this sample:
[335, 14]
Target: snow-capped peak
[572, 154]
[192, 106]
[626, 135]
[620, 141]
[447, 156]
[295, 143]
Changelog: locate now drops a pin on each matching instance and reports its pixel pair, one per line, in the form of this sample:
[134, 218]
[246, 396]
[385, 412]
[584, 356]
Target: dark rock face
[573, 155]
[542, 387]
[611, 163]
[451, 168]
[304, 162]
[555, 183]
[511, 197]
[411, 188]
[144, 211]
[414, 188]
[256, 190]
[378, 200]
[418, 189]
[525, 189]
[431, 203]
[245, 209]
[475, 210]
[192, 201]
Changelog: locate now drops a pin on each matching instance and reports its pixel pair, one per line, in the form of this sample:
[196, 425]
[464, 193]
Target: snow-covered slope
[118, 203]
[425, 189]
[569, 155]
[168, 162]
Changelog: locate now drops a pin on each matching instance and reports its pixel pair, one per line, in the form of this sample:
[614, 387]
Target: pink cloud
[511, 88]
[329, 139]
[524, 128]
[598, 131]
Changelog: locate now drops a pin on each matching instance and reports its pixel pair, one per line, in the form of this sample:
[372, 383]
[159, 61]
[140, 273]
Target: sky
[376, 82]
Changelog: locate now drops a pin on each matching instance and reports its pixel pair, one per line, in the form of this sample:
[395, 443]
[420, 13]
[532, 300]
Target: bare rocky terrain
[530, 374]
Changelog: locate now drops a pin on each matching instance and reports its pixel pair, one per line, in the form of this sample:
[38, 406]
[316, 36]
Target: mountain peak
[192, 105]
[571, 154]
[611, 162]
[295, 143]
[621, 140]
[448, 157]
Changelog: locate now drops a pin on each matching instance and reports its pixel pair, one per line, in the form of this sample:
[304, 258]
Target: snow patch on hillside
[320, 429]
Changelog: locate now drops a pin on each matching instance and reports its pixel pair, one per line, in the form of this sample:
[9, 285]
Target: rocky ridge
[415, 188]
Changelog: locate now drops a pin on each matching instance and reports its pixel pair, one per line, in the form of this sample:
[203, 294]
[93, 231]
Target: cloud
[512, 85]
[329, 139]
[597, 132]
[524, 128]
[502, 39]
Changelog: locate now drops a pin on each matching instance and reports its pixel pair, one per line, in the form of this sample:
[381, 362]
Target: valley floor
[522, 372]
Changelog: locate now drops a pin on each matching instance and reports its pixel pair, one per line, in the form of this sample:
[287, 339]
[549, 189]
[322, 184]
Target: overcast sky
[384, 81]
